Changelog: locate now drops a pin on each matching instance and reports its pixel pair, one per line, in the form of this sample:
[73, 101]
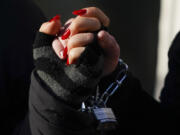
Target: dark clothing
[20, 20]
[16, 61]
[51, 116]
[136, 111]
[171, 92]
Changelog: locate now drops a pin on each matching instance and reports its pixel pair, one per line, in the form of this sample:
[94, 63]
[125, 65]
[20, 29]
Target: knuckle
[70, 43]
[43, 26]
[89, 37]
[93, 11]
[73, 42]
[75, 23]
[97, 23]
[72, 54]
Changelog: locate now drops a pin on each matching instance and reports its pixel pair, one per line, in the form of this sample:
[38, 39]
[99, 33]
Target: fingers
[58, 48]
[111, 51]
[84, 24]
[74, 54]
[108, 44]
[76, 45]
[80, 40]
[76, 41]
[52, 27]
[93, 12]
[88, 20]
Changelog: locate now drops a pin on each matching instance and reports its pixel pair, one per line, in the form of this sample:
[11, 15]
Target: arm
[57, 90]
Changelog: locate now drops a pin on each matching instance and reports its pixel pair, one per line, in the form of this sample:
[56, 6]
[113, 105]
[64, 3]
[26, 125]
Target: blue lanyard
[112, 88]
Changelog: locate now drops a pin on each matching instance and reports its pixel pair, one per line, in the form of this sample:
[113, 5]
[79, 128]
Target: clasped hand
[76, 34]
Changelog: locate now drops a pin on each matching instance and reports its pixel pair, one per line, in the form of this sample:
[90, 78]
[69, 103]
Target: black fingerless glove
[73, 83]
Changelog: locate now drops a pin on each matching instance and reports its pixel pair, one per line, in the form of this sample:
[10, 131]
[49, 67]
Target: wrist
[111, 67]
[111, 77]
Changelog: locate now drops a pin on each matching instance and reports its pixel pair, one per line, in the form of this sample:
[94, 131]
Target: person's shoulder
[174, 51]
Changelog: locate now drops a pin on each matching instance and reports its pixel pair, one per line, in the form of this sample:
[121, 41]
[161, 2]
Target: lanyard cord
[113, 87]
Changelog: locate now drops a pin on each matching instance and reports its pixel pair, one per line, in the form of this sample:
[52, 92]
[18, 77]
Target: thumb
[51, 27]
[111, 51]
[108, 44]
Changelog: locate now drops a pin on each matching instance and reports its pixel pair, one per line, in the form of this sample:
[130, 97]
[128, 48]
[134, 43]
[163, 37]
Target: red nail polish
[67, 62]
[57, 17]
[65, 52]
[66, 34]
[79, 12]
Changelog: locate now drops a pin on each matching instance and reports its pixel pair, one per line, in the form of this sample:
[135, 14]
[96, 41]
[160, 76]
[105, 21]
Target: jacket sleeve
[49, 115]
[57, 90]
[136, 111]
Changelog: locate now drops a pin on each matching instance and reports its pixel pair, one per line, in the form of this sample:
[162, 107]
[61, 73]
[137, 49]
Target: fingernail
[66, 34]
[61, 54]
[57, 17]
[67, 62]
[79, 12]
[65, 52]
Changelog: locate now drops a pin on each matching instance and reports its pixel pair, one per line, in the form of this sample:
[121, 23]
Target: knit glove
[72, 83]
